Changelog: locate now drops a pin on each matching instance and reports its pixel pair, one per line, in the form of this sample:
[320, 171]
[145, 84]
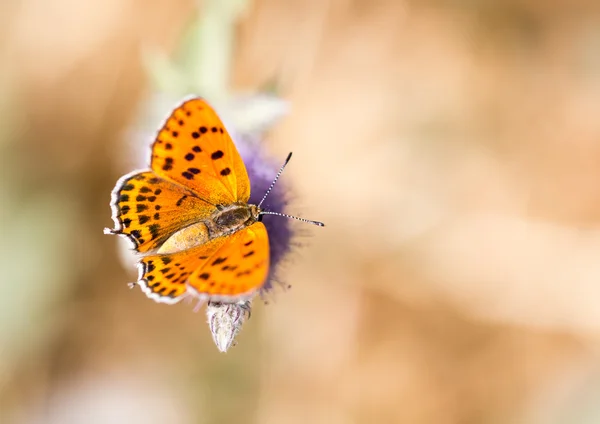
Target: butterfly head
[255, 212]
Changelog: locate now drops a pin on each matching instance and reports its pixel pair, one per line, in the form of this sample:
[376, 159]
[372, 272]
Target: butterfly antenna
[308, 221]
[276, 178]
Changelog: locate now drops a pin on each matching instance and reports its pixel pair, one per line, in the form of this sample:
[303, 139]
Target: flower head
[204, 71]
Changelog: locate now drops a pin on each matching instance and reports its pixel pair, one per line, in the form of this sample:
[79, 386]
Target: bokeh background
[451, 146]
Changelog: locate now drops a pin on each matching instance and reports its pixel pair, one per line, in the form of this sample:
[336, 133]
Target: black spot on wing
[168, 164]
[153, 228]
[150, 267]
[180, 201]
[136, 234]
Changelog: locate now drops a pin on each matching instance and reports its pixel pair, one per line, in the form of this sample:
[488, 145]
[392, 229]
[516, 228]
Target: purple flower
[261, 171]
[226, 320]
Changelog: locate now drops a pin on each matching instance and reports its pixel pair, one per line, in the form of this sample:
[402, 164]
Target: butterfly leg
[198, 304]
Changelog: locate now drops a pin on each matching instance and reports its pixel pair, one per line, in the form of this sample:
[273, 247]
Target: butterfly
[188, 215]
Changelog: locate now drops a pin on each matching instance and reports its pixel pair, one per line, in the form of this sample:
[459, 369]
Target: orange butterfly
[190, 214]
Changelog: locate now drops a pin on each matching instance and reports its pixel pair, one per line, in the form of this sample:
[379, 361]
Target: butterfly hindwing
[237, 269]
[164, 277]
[194, 149]
[148, 209]
[225, 269]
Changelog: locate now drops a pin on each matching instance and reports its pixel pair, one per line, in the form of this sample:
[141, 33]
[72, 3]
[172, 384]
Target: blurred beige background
[451, 146]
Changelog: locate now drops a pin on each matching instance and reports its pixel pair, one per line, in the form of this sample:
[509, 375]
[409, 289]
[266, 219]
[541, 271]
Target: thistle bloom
[225, 320]
[203, 69]
[261, 171]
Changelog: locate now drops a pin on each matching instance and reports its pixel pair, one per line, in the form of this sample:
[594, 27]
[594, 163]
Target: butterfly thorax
[231, 218]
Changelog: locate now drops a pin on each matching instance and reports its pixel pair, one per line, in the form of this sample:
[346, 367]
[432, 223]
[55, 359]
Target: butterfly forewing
[194, 149]
[148, 209]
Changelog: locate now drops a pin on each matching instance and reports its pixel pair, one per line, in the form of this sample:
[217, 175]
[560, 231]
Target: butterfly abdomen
[186, 238]
[224, 221]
